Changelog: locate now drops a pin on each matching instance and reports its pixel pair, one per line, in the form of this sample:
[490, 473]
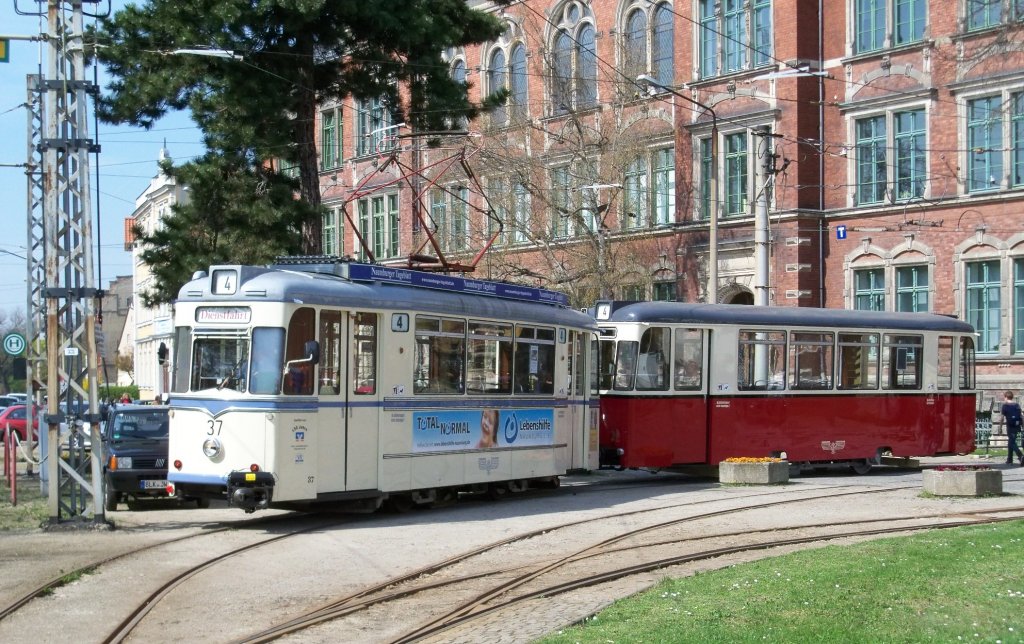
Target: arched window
[517, 81]
[634, 44]
[459, 71]
[459, 76]
[648, 41]
[586, 68]
[505, 69]
[562, 74]
[573, 59]
[496, 75]
[661, 44]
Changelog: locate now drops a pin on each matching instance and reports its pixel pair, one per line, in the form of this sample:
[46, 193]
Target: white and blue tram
[318, 380]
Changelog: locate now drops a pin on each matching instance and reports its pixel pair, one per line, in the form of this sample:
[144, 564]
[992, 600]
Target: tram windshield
[222, 362]
[219, 363]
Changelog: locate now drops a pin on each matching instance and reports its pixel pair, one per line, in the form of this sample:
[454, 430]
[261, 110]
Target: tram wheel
[518, 486]
[202, 503]
[497, 491]
[445, 498]
[400, 503]
[861, 467]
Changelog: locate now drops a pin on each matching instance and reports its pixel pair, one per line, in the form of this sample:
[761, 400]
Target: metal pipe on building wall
[761, 222]
[821, 156]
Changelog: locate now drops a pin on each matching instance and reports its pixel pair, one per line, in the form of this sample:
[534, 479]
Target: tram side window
[901, 361]
[652, 366]
[762, 360]
[966, 362]
[810, 359]
[689, 359]
[490, 358]
[595, 366]
[330, 352]
[182, 348]
[364, 337]
[534, 370]
[945, 362]
[439, 363]
[267, 350]
[606, 360]
[625, 365]
[858, 361]
[301, 374]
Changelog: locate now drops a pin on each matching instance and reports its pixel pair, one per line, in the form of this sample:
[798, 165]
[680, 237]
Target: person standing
[1012, 418]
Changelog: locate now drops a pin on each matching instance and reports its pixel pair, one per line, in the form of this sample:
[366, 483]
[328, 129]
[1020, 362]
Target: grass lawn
[31, 510]
[953, 585]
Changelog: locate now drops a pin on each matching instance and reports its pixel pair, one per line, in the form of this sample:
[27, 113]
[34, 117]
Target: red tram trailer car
[686, 383]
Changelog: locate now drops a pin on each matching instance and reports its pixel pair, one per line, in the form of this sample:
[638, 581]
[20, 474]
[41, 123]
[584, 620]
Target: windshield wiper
[232, 374]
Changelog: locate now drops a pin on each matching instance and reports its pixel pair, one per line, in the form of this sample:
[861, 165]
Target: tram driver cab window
[625, 365]
[300, 366]
[652, 366]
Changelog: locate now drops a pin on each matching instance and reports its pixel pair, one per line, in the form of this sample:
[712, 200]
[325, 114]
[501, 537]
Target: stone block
[753, 473]
[963, 482]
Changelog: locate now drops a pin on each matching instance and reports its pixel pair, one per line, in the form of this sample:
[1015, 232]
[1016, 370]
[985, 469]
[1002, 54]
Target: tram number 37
[215, 426]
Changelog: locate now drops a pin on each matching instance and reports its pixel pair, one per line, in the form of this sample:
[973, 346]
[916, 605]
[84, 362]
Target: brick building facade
[874, 153]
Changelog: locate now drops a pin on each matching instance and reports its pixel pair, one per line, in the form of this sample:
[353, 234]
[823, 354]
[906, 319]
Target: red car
[14, 416]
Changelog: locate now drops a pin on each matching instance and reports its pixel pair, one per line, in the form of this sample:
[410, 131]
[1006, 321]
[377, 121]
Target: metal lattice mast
[75, 485]
[36, 304]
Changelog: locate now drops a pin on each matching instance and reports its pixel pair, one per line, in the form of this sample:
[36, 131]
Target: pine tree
[260, 110]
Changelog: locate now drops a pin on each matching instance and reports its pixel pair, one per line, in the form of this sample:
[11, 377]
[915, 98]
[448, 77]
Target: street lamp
[210, 53]
[649, 82]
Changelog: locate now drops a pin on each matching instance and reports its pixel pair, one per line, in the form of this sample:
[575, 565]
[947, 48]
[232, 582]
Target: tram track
[50, 585]
[125, 628]
[365, 598]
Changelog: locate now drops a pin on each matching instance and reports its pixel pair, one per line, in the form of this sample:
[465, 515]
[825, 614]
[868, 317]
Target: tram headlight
[212, 447]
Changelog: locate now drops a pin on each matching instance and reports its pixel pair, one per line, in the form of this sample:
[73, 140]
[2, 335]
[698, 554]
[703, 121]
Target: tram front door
[363, 421]
[348, 394]
[582, 422]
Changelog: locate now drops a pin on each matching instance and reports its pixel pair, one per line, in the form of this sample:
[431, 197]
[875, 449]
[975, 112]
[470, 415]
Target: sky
[127, 161]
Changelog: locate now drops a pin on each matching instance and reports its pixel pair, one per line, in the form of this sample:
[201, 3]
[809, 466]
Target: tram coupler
[250, 491]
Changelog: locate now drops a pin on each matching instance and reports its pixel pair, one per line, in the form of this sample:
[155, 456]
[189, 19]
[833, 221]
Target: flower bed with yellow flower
[752, 459]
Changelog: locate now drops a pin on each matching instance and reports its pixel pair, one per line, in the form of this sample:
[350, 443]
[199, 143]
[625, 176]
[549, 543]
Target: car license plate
[153, 485]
